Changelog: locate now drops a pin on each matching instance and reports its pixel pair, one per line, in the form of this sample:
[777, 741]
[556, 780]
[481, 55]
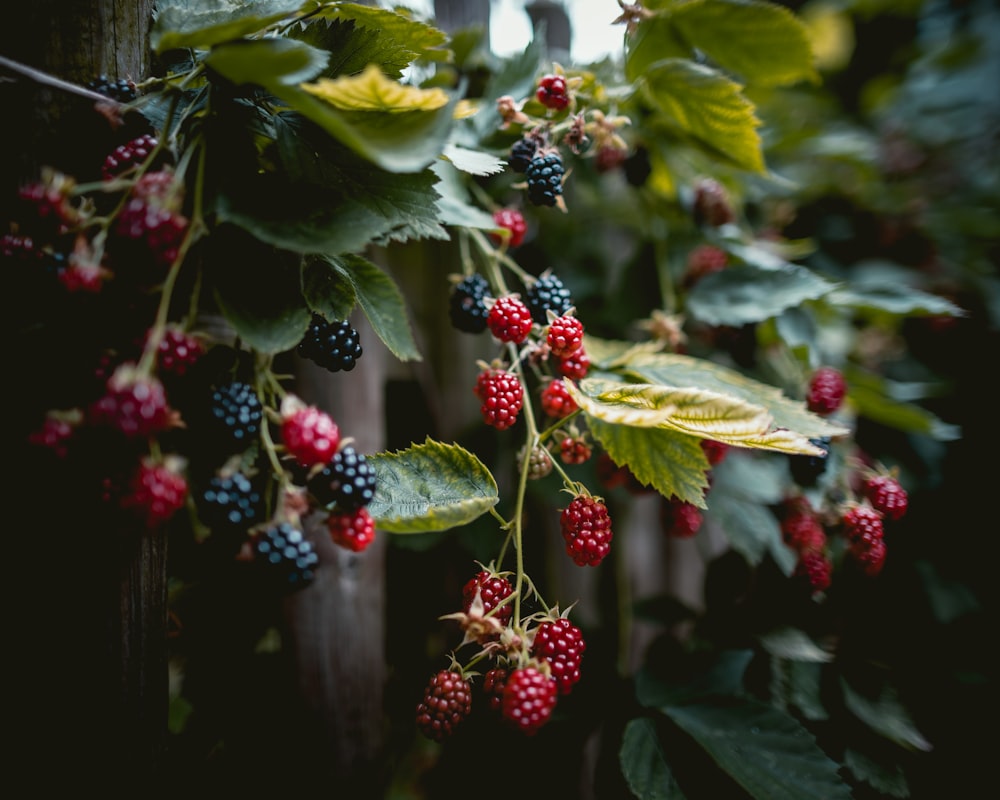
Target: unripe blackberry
[680, 519]
[285, 556]
[513, 221]
[353, 530]
[556, 399]
[493, 685]
[807, 469]
[552, 92]
[539, 463]
[347, 480]
[561, 644]
[178, 351]
[714, 451]
[466, 307]
[147, 229]
[586, 530]
[887, 495]
[529, 697]
[134, 404]
[862, 523]
[230, 503]
[803, 531]
[574, 450]
[335, 346]
[493, 589]
[156, 491]
[703, 260]
[310, 435]
[575, 366]
[236, 413]
[447, 701]
[522, 152]
[711, 204]
[509, 319]
[869, 556]
[564, 336]
[45, 211]
[816, 568]
[128, 155]
[502, 397]
[545, 177]
[54, 434]
[548, 293]
[826, 391]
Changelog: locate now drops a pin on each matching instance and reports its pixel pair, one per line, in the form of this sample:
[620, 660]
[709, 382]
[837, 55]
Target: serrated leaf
[474, 162]
[671, 463]
[743, 295]
[655, 39]
[793, 644]
[766, 751]
[373, 91]
[886, 716]
[700, 102]
[327, 290]
[200, 24]
[430, 487]
[893, 298]
[455, 206]
[267, 62]
[888, 779]
[382, 302]
[643, 764]
[765, 44]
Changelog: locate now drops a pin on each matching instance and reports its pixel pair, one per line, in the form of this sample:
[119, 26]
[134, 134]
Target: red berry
[609, 156]
[128, 155]
[513, 220]
[352, 530]
[886, 495]
[556, 399]
[49, 207]
[178, 351]
[446, 703]
[586, 529]
[310, 435]
[552, 92]
[816, 568]
[156, 491]
[529, 697]
[509, 319]
[826, 391]
[612, 476]
[502, 396]
[680, 519]
[714, 451]
[55, 434]
[704, 260]
[159, 229]
[574, 451]
[862, 523]
[560, 643]
[134, 404]
[494, 682]
[564, 336]
[869, 556]
[493, 590]
[575, 366]
[803, 531]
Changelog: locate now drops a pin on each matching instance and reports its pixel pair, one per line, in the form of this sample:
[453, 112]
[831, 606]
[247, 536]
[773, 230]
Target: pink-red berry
[680, 519]
[494, 682]
[574, 450]
[553, 92]
[132, 403]
[827, 388]
[564, 336]
[352, 530]
[816, 568]
[556, 400]
[178, 351]
[128, 155]
[714, 451]
[868, 555]
[886, 495]
[446, 703]
[529, 697]
[310, 435]
[561, 643]
[704, 260]
[509, 319]
[586, 530]
[514, 222]
[493, 589]
[502, 397]
[575, 366]
[156, 491]
[55, 434]
[862, 523]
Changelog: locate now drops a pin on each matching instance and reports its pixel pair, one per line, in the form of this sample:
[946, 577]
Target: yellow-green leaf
[373, 91]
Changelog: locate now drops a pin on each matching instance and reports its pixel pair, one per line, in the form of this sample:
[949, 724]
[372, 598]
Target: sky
[594, 37]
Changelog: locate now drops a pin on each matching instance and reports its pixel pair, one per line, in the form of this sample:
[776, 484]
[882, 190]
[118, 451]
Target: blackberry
[806, 470]
[522, 153]
[230, 502]
[331, 345]
[286, 556]
[347, 480]
[466, 308]
[120, 89]
[548, 293]
[545, 175]
[236, 412]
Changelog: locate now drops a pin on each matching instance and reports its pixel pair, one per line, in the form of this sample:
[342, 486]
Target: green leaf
[710, 674]
[201, 24]
[893, 298]
[382, 302]
[887, 779]
[700, 102]
[762, 43]
[671, 463]
[869, 396]
[473, 161]
[886, 716]
[430, 487]
[515, 76]
[743, 295]
[654, 40]
[327, 290]
[267, 62]
[643, 764]
[765, 750]
[455, 206]
[805, 678]
[793, 644]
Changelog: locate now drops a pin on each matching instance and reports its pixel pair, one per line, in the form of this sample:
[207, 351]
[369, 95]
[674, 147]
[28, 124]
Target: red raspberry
[803, 531]
[155, 492]
[556, 399]
[134, 404]
[586, 529]
[560, 643]
[446, 703]
[513, 220]
[826, 391]
[552, 92]
[576, 366]
[494, 682]
[886, 495]
[564, 336]
[862, 523]
[573, 450]
[704, 260]
[714, 451]
[509, 319]
[352, 530]
[816, 568]
[128, 155]
[869, 556]
[493, 590]
[529, 697]
[178, 351]
[159, 229]
[502, 396]
[310, 435]
[680, 519]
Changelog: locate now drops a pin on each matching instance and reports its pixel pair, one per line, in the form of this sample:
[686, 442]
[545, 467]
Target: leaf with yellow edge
[373, 91]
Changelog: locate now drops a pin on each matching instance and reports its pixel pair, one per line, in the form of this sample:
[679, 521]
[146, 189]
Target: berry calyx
[586, 529]
[561, 644]
[466, 304]
[827, 388]
[564, 336]
[513, 221]
[509, 319]
[447, 701]
[352, 530]
[502, 397]
[529, 697]
[493, 589]
[309, 434]
[553, 92]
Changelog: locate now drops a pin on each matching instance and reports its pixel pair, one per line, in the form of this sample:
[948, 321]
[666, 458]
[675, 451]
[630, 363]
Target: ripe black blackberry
[545, 176]
[286, 557]
[236, 413]
[121, 89]
[335, 346]
[521, 154]
[466, 308]
[806, 470]
[347, 480]
[548, 293]
[230, 503]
